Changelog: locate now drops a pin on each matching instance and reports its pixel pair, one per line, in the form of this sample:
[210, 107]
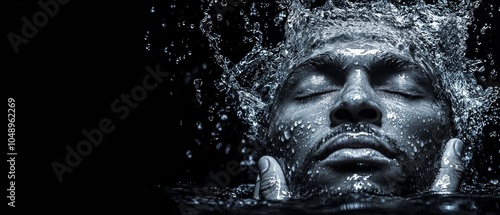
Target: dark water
[190, 199]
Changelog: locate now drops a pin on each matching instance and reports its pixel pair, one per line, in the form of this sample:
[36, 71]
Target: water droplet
[243, 150]
[223, 117]
[218, 126]
[494, 181]
[218, 146]
[189, 154]
[228, 149]
[493, 134]
[484, 28]
[287, 135]
[253, 10]
[197, 85]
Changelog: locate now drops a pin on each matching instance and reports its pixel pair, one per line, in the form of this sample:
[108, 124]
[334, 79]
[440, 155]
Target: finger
[450, 172]
[256, 191]
[272, 184]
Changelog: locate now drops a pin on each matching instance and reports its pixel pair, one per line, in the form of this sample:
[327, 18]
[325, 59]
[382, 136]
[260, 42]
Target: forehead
[362, 48]
[362, 51]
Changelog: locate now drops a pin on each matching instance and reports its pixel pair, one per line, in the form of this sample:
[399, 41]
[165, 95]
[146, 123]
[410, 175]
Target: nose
[356, 104]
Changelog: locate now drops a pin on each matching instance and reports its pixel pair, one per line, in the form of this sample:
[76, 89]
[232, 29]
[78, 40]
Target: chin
[387, 182]
[362, 187]
[369, 188]
[345, 189]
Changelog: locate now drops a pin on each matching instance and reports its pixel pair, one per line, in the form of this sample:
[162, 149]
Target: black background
[91, 52]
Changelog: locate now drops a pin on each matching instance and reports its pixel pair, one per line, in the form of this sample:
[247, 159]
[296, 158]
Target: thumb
[450, 172]
[271, 182]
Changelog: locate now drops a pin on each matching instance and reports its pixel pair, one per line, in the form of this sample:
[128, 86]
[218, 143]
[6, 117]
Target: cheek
[298, 122]
[419, 129]
[293, 132]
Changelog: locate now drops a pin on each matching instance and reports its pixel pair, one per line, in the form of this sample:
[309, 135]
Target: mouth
[349, 151]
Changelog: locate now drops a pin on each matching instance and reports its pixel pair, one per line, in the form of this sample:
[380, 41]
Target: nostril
[342, 114]
[356, 113]
[369, 114]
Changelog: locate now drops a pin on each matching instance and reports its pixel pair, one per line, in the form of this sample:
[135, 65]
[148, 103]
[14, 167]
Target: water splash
[435, 32]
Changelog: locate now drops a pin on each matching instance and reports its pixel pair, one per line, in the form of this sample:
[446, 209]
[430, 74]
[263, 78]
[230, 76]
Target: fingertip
[458, 145]
[272, 184]
[264, 163]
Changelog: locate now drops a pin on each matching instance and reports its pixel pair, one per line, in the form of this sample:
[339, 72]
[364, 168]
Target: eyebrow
[387, 62]
[338, 61]
[390, 62]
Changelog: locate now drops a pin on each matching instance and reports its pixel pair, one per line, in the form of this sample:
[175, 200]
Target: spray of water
[435, 32]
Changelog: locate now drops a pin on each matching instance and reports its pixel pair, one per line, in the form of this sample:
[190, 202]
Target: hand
[271, 182]
[450, 174]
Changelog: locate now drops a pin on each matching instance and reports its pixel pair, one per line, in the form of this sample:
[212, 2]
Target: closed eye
[405, 94]
[309, 94]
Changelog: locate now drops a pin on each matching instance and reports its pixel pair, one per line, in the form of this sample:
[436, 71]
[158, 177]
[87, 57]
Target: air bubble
[223, 117]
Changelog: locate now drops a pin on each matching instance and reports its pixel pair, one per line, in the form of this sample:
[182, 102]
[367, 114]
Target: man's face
[358, 117]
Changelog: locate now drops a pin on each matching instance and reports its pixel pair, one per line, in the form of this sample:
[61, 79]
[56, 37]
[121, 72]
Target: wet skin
[358, 117]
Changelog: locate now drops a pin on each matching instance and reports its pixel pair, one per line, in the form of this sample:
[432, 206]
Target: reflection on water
[205, 200]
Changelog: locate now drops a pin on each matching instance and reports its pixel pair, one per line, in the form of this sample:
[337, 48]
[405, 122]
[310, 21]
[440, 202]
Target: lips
[355, 148]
